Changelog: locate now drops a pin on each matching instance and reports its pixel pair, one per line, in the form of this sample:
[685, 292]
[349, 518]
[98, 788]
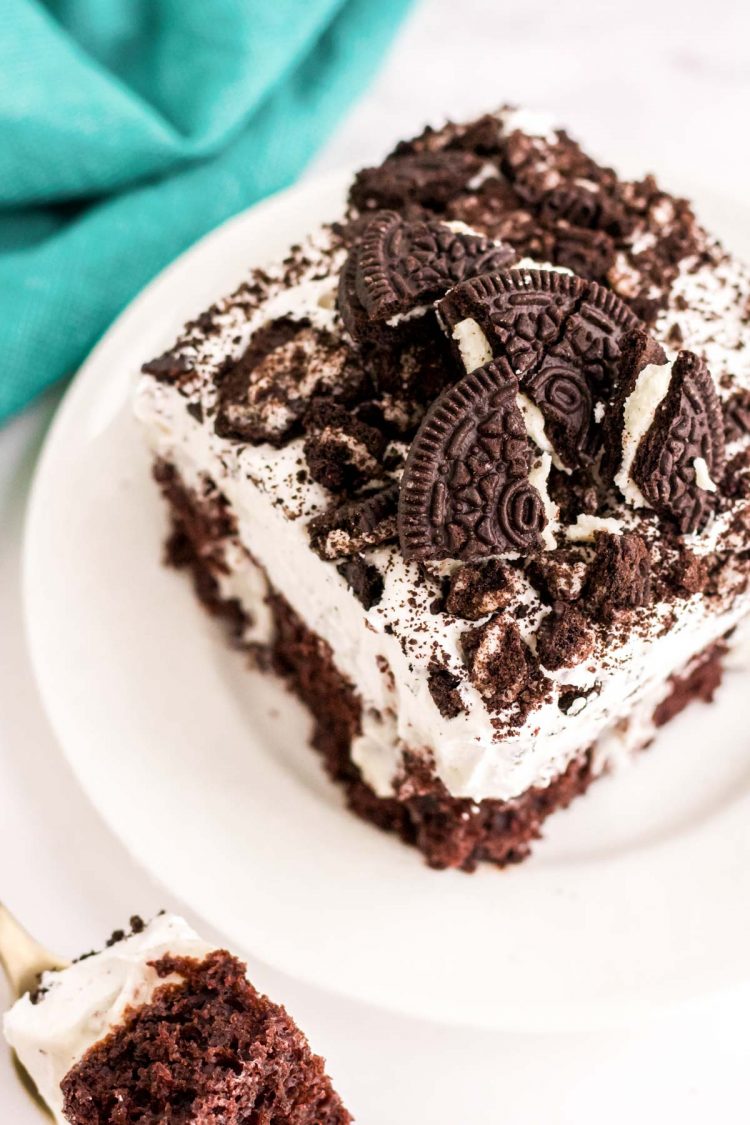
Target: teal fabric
[128, 128]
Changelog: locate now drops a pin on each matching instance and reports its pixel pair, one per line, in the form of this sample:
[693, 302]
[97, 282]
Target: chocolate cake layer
[207, 1048]
[450, 832]
[160, 1027]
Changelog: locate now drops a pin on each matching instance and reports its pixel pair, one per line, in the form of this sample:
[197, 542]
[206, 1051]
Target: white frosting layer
[400, 633]
[585, 528]
[87, 1000]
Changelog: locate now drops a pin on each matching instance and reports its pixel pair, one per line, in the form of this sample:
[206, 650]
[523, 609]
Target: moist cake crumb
[206, 1048]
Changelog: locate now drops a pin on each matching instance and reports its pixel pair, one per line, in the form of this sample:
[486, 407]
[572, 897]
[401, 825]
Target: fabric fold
[132, 127]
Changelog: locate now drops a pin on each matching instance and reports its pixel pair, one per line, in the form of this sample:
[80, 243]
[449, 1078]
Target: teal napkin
[128, 128]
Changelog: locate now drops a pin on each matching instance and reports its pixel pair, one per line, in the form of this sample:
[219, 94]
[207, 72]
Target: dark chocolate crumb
[443, 685]
[498, 661]
[619, 577]
[477, 589]
[170, 367]
[364, 580]
[564, 637]
[690, 573]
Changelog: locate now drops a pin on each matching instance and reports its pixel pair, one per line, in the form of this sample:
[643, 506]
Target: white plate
[638, 897]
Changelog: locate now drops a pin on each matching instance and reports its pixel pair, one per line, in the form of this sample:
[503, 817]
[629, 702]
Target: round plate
[639, 895]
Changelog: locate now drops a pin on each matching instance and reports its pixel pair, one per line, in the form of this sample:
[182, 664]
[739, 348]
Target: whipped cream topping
[401, 634]
[80, 1005]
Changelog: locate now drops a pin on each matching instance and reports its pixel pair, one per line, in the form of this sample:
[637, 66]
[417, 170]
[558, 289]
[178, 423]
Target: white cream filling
[472, 343]
[85, 1001]
[532, 264]
[641, 405]
[702, 475]
[538, 479]
[586, 527]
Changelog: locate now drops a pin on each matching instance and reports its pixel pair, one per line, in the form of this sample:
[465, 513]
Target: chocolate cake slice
[470, 469]
[162, 1029]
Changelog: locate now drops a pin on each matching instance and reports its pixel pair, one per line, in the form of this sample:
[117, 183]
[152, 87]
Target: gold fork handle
[22, 958]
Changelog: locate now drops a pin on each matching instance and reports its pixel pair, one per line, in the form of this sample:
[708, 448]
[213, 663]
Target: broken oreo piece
[363, 579]
[465, 491]
[562, 337]
[355, 526]
[564, 637]
[737, 416]
[619, 576]
[443, 685]
[638, 351]
[342, 452]
[353, 316]
[263, 394]
[588, 253]
[430, 179]
[477, 589]
[400, 265]
[499, 662]
[680, 461]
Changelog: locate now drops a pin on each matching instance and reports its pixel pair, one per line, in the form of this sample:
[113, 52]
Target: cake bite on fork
[159, 1028]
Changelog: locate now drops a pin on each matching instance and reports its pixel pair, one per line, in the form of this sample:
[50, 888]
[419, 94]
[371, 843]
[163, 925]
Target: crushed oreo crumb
[444, 685]
[564, 637]
[355, 525]
[498, 661]
[559, 575]
[364, 580]
[690, 573]
[342, 452]
[476, 589]
[619, 576]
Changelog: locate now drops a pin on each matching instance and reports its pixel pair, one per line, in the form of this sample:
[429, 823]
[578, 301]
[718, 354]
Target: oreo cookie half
[465, 491]
[562, 338]
[680, 460]
[401, 264]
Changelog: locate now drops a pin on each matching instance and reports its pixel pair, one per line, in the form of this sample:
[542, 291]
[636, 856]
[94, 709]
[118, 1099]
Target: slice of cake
[470, 469]
[161, 1028]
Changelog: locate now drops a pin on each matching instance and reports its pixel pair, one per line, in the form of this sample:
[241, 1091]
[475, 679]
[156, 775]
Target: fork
[24, 960]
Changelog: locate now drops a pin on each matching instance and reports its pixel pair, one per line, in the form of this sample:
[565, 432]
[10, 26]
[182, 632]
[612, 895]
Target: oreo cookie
[680, 461]
[588, 253]
[465, 491]
[562, 338]
[428, 179]
[400, 265]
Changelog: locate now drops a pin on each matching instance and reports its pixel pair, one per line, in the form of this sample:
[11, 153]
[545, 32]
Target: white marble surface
[651, 84]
